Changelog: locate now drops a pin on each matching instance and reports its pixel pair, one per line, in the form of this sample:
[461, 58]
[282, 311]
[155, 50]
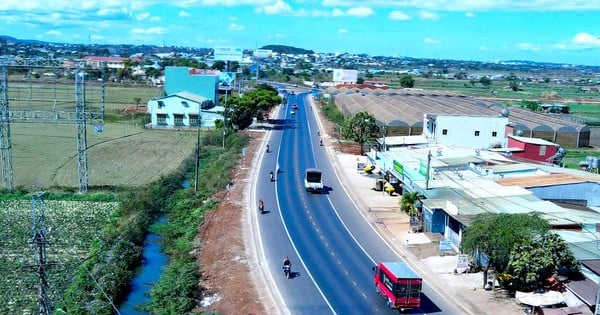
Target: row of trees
[242, 109]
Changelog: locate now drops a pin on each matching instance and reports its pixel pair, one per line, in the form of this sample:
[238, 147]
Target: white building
[181, 110]
[477, 132]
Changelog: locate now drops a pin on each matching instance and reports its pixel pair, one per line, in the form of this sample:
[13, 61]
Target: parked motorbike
[287, 270]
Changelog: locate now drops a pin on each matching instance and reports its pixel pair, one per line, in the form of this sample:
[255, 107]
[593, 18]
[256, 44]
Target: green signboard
[423, 168]
[398, 167]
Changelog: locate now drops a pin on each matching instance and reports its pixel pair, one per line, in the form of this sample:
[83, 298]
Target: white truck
[312, 180]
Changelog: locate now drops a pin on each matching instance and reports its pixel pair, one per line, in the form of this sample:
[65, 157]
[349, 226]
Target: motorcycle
[261, 207]
[267, 148]
[287, 270]
[271, 176]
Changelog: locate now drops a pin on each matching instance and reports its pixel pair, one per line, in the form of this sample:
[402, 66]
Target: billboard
[226, 78]
[262, 53]
[224, 53]
[343, 75]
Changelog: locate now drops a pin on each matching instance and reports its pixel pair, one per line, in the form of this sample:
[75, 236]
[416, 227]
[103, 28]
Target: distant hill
[282, 49]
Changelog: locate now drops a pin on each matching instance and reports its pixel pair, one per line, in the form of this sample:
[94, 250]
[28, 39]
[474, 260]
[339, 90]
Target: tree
[409, 201]
[219, 65]
[538, 259]
[513, 85]
[485, 81]
[242, 109]
[496, 235]
[531, 105]
[137, 101]
[407, 81]
[360, 80]
[360, 128]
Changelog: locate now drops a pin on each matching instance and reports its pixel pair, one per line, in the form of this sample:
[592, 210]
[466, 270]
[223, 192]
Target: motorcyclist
[320, 142]
[287, 262]
[261, 205]
[267, 148]
[271, 175]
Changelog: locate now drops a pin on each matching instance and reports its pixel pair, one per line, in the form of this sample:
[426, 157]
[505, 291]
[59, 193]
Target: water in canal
[153, 262]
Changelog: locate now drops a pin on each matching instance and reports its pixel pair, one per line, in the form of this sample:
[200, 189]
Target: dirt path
[226, 262]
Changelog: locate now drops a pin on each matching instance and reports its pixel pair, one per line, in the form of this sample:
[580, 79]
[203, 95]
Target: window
[476, 133]
[444, 131]
[494, 133]
[178, 119]
[161, 104]
[185, 104]
[542, 150]
[161, 119]
[193, 119]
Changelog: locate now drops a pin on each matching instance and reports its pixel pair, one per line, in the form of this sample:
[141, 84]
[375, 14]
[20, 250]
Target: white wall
[461, 130]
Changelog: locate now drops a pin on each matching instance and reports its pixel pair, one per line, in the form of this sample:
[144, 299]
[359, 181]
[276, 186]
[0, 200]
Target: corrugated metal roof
[534, 141]
[410, 106]
[191, 96]
[546, 180]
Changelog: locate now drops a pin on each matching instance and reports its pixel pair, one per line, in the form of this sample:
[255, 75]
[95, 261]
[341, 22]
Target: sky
[557, 31]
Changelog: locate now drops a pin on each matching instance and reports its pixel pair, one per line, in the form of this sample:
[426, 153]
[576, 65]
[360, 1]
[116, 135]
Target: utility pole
[428, 168]
[197, 166]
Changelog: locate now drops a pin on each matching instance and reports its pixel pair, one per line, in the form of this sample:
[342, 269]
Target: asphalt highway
[330, 244]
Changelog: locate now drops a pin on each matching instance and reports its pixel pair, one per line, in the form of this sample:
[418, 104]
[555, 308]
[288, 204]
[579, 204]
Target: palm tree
[408, 203]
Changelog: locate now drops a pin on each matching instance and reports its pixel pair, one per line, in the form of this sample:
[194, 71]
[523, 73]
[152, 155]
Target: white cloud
[150, 31]
[279, 7]
[236, 27]
[472, 5]
[54, 33]
[528, 47]
[429, 40]
[276, 36]
[398, 16]
[426, 15]
[96, 37]
[469, 14]
[343, 31]
[184, 14]
[360, 12]
[142, 16]
[337, 12]
[586, 40]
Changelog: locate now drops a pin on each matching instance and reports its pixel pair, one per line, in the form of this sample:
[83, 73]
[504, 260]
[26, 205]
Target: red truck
[398, 284]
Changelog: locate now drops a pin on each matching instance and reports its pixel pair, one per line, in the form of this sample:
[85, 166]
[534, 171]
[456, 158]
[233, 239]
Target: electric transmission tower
[40, 101]
[80, 122]
[5, 151]
[39, 243]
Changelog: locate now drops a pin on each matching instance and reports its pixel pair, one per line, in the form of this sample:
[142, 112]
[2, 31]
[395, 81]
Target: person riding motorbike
[271, 175]
[267, 148]
[320, 142]
[287, 267]
[261, 205]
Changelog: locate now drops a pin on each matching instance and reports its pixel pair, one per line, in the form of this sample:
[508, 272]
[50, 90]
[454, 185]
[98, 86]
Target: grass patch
[124, 155]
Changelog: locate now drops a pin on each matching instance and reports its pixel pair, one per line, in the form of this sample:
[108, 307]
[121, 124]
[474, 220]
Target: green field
[45, 155]
[71, 226]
